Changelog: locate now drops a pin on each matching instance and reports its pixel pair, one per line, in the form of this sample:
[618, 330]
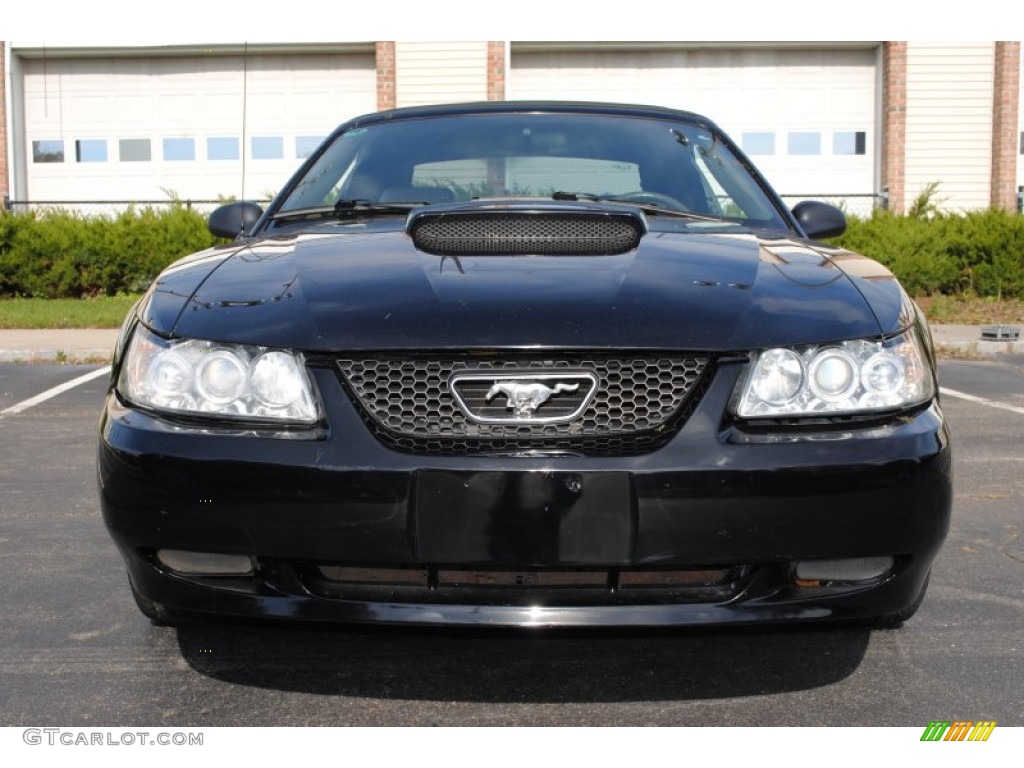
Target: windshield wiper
[346, 209]
[646, 206]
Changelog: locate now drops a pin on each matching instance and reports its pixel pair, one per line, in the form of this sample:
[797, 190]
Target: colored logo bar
[958, 730]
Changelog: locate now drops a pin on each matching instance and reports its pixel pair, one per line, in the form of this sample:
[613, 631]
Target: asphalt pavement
[75, 651]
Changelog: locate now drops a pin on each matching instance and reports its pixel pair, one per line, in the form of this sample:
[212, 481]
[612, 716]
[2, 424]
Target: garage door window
[179, 149]
[222, 148]
[91, 151]
[48, 151]
[849, 143]
[805, 143]
[759, 143]
[267, 148]
[134, 150]
[306, 145]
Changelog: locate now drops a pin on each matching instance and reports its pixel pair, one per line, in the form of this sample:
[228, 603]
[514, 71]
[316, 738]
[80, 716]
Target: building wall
[894, 123]
[920, 111]
[440, 72]
[949, 122]
[1020, 129]
[384, 55]
[4, 182]
[1005, 125]
[496, 61]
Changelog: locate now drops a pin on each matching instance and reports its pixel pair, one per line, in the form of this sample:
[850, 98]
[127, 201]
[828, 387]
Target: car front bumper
[706, 530]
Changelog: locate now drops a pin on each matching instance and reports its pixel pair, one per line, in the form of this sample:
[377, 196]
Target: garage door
[134, 128]
[805, 117]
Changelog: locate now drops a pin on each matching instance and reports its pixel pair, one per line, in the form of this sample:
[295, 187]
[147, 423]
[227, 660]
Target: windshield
[664, 163]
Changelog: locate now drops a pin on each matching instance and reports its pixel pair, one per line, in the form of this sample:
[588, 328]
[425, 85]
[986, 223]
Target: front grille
[531, 587]
[533, 233]
[638, 403]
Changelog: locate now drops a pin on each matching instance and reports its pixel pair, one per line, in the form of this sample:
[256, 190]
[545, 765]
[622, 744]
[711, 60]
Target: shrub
[62, 254]
[980, 252]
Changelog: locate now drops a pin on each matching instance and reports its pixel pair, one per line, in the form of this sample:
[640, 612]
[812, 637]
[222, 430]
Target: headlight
[850, 377]
[205, 378]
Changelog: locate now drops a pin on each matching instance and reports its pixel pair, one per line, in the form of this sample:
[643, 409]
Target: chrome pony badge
[524, 397]
[533, 397]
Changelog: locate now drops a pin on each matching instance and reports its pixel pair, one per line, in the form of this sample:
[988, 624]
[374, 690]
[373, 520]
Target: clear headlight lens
[857, 376]
[779, 376]
[205, 378]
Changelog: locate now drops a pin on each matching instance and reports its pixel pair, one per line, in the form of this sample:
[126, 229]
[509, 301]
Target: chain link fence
[113, 207]
[860, 205]
[853, 204]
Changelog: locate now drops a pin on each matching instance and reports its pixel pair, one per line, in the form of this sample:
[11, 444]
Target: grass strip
[101, 312]
[109, 311]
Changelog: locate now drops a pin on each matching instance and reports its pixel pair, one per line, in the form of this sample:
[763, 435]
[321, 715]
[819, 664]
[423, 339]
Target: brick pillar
[894, 122]
[4, 188]
[387, 94]
[496, 71]
[1005, 129]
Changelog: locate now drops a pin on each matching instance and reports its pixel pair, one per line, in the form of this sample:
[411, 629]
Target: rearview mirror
[819, 219]
[234, 219]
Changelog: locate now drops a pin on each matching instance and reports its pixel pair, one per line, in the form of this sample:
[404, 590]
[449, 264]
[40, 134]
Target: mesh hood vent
[517, 232]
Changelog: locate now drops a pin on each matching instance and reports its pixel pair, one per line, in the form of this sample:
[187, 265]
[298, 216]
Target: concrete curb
[57, 345]
[965, 341]
[56, 355]
[978, 349]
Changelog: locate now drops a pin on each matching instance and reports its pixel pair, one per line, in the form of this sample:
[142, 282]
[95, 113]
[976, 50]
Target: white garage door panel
[175, 111]
[82, 110]
[286, 97]
[134, 110]
[757, 91]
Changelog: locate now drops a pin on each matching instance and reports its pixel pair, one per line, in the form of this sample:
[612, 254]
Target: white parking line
[42, 397]
[981, 400]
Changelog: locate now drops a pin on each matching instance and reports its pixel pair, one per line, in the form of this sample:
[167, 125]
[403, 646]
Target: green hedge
[979, 253]
[60, 254]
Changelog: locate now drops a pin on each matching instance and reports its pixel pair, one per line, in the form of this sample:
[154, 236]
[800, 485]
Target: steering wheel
[655, 198]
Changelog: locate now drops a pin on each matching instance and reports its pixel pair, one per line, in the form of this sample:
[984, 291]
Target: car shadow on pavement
[518, 666]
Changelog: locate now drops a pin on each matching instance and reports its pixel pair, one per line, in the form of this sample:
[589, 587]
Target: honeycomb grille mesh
[540, 234]
[638, 403]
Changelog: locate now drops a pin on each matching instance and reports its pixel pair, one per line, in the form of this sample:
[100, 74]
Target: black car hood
[374, 290]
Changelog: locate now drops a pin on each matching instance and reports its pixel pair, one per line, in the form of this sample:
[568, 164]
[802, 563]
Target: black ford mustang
[526, 364]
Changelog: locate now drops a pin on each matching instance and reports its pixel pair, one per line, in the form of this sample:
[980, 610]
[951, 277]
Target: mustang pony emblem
[525, 397]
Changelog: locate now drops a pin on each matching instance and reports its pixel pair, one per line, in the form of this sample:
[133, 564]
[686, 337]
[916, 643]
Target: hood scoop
[525, 231]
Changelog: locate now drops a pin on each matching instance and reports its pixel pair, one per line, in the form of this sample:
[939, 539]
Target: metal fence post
[885, 197]
[1020, 199]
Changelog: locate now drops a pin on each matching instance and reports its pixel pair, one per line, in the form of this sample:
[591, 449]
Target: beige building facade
[863, 122]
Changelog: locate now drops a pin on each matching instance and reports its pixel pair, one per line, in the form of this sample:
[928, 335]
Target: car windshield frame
[656, 162]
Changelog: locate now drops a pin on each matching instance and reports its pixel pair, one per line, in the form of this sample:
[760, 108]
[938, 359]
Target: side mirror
[820, 220]
[234, 219]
